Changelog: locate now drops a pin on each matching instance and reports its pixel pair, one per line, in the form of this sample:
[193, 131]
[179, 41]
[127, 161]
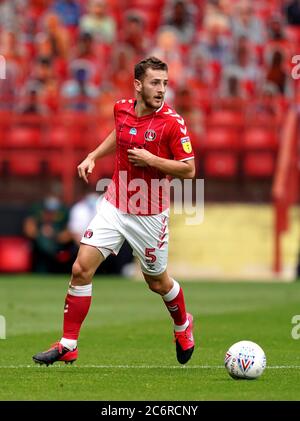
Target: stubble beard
[148, 102]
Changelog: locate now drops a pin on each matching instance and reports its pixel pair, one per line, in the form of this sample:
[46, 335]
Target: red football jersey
[143, 190]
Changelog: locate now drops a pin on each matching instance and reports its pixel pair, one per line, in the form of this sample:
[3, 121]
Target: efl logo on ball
[245, 360]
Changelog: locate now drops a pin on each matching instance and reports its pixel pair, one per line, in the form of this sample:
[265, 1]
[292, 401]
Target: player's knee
[80, 273]
[156, 287]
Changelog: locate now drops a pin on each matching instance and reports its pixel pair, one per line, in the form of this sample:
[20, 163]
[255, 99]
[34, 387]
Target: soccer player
[151, 142]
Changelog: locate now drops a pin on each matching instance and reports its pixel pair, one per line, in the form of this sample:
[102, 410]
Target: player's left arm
[144, 158]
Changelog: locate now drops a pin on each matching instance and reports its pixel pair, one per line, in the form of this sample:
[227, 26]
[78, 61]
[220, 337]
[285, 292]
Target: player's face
[153, 88]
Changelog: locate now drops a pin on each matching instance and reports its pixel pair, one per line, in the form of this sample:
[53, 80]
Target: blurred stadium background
[66, 62]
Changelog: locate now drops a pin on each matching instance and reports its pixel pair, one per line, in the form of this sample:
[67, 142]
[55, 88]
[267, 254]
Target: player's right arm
[107, 147]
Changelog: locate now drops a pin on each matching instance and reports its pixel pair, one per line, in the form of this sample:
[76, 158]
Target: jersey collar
[148, 115]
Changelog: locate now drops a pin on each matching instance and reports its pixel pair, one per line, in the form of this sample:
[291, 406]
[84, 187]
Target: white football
[245, 360]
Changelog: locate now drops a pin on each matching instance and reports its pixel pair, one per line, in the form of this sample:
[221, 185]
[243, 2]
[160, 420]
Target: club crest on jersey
[88, 234]
[150, 135]
[133, 131]
[186, 144]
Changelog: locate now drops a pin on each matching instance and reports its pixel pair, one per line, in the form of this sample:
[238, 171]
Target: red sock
[174, 301]
[77, 304]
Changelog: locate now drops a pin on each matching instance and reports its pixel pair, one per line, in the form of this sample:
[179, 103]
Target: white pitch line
[193, 367]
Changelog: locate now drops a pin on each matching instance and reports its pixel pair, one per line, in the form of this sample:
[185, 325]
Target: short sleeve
[180, 142]
[116, 106]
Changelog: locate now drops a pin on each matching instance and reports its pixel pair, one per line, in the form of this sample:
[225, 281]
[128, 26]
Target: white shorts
[147, 235]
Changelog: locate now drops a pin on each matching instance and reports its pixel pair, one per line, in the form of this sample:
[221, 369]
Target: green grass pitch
[126, 349]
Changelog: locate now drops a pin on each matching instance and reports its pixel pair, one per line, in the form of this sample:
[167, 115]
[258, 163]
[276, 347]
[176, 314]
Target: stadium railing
[286, 181]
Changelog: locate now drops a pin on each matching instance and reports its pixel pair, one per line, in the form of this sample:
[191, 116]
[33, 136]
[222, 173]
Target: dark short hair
[148, 63]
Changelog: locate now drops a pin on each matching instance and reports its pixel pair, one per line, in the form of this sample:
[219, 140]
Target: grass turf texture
[126, 350]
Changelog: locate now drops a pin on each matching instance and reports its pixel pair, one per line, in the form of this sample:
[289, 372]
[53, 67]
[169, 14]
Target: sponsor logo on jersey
[186, 144]
[150, 135]
[88, 234]
[133, 131]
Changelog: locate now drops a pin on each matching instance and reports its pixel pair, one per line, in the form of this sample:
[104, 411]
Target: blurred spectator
[267, 106]
[98, 22]
[11, 14]
[232, 96]
[68, 12]
[31, 103]
[215, 45]
[277, 39]
[84, 47]
[277, 75]
[57, 34]
[275, 29]
[292, 12]
[244, 69]
[46, 227]
[9, 87]
[13, 52]
[199, 75]
[133, 33]
[246, 24]
[79, 91]
[232, 88]
[32, 18]
[46, 82]
[180, 17]
[81, 215]
[186, 106]
[105, 103]
[55, 38]
[166, 49]
[44, 47]
[121, 70]
[216, 15]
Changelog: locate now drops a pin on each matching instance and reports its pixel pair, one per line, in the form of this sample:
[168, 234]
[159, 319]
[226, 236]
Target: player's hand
[140, 157]
[85, 168]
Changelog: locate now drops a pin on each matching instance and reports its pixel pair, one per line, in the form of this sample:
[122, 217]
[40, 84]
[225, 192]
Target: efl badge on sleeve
[186, 144]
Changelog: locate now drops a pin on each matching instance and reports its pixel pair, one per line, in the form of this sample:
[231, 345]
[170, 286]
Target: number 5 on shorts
[149, 253]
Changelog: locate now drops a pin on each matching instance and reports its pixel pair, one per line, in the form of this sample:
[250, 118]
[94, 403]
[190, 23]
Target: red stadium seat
[226, 118]
[260, 138]
[55, 166]
[221, 139]
[259, 164]
[27, 164]
[220, 165]
[293, 33]
[15, 254]
[60, 136]
[5, 123]
[23, 137]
